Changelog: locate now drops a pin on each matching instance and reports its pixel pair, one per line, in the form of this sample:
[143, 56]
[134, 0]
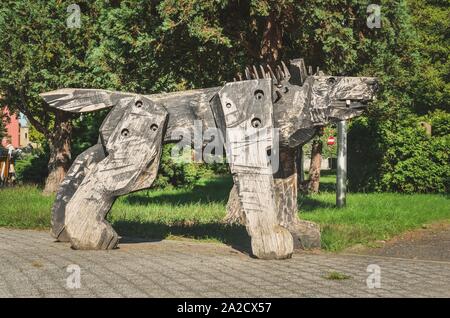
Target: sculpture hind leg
[133, 153]
[80, 167]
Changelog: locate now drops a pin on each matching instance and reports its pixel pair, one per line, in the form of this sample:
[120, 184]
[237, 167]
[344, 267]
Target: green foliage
[406, 158]
[86, 131]
[387, 149]
[32, 168]
[2, 126]
[415, 162]
[178, 172]
[167, 45]
[431, 20]
[39, 53]
[440, 123]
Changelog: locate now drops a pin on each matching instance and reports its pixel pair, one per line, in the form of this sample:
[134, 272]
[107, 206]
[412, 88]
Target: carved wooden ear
[298, 71]
[78, 100]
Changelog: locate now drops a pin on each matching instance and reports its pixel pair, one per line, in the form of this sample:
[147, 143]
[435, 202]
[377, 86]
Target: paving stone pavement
[32, 265]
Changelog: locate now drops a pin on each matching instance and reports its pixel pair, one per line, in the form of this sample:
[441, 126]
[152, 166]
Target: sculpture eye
[125, 132]
[331, 81]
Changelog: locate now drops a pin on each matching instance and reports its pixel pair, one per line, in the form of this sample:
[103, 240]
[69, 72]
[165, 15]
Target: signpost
[341, 176]
[331, 141]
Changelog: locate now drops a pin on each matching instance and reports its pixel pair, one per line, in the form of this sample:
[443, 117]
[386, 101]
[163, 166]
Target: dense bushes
[32, 168]
[400, 156]
[183, 171]
[177, 173]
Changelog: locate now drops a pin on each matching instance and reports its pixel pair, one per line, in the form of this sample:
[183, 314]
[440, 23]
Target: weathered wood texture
[305, 234]
[264, 196]
[134, 148]
[80, 167]
[243, 110]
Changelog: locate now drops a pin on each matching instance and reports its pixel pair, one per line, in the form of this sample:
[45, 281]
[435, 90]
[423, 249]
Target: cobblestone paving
[32, 265]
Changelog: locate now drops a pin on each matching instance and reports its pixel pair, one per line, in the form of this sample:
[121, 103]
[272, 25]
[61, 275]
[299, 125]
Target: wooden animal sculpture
[247, 112]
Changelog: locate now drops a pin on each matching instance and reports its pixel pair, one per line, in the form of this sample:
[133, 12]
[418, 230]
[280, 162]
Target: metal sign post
[341, 176]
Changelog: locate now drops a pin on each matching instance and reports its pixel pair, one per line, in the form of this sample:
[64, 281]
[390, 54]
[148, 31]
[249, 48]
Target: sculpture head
[321, 100]
[333, 98]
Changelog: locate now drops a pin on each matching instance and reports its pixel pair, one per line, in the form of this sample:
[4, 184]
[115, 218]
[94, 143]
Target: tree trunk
[314, 168]
[60, 152]
[272, 40]
[302, 184]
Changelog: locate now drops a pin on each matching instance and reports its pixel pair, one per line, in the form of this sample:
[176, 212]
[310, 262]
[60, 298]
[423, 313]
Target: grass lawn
[197, 213]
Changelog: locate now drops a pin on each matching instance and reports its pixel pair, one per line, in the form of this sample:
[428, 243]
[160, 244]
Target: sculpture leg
[134, 149]
[80, 167]
[269, 240]
[243, 110]
[306, 234]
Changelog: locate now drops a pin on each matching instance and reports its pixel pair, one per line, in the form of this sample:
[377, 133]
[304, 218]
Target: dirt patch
[431, 242]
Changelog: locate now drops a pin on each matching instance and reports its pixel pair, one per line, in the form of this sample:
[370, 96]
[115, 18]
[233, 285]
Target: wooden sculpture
[127, 155]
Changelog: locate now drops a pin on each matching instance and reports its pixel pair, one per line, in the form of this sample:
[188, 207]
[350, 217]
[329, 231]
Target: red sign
[331, 140]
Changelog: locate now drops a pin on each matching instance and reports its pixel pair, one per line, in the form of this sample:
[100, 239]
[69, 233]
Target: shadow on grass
[327, 186]
[213, 191]
[309, 204]
[234, 235]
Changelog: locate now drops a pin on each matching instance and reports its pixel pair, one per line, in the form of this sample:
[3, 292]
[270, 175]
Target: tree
[166, 45]
[315, 166]
[39, 53]
[2, 126]
[387, 149]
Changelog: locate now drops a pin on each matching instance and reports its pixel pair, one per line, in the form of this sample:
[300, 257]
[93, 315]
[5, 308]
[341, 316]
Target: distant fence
[327, 164]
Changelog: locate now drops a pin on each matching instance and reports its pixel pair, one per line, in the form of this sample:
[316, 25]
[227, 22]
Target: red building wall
[12, 128]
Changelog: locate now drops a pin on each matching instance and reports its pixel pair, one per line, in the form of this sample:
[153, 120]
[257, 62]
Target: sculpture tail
[78, 100]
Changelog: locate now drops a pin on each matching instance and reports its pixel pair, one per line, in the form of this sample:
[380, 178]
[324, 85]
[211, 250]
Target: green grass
[197, 213]
[336, 276]
[370, 217]
[25, 208]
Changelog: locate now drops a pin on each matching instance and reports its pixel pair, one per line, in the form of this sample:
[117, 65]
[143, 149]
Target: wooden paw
[274, 244]
[101, 236]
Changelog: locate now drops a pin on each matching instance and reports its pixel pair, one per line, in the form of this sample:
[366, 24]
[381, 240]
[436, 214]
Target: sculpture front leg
[134, 149]
[306, 234]
[243, 110]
